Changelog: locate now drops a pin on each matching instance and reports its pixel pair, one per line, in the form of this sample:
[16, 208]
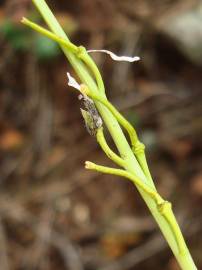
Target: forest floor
[53, 213]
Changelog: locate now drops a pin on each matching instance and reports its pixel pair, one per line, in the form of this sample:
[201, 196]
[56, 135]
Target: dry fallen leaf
[115, 244]
[11, 140]
[196, 184]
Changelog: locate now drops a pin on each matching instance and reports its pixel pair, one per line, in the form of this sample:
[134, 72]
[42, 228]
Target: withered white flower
[91, 116]
[72, 82]
[116, 57]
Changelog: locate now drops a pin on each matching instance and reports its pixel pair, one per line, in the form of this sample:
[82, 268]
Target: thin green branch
[83, 55]
[137, 147]
[107, 170]
[139, 151]
[76, 63]
[68, 44]
[166, 211]
[79, 51]
[164, 207]
[113, 156]
[128, 127]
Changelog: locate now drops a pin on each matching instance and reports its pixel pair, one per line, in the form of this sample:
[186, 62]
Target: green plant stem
[132, 177]
[184, 259]
[79, 51]
[102, 142]
[138, 148]
[162, 205]
[69, 45]
[83, 55]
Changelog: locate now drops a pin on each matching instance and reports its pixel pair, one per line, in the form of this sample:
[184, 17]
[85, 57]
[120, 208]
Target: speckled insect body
[92, 119]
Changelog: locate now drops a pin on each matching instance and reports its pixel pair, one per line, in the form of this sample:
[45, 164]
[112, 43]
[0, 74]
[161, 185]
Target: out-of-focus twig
[12, 209]
[155, 245]
[4, 263]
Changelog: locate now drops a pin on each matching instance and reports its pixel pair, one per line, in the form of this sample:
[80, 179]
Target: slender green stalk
[84, 56]
[102, 142]
[68, 44]
[80, 51]
[163, 213]
[132, 177]
[163, 206]
[138, 148]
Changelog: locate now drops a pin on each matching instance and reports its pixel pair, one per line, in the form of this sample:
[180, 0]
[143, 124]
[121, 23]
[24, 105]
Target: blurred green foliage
[133, 118]
[21, 39]
[45, 48]
[15, 35]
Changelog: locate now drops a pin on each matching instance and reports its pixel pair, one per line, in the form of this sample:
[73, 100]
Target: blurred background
[53, 213]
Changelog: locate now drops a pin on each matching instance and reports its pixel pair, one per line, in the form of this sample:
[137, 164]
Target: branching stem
[79, 51]
[113, 156]
[138, 148]
[136, 165]
[164, 207]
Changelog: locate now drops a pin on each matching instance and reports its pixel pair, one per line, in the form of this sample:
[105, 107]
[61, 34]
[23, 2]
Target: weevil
[92, 119]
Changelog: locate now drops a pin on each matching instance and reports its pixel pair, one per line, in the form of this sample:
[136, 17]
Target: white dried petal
[72, 82]
[116, 57]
